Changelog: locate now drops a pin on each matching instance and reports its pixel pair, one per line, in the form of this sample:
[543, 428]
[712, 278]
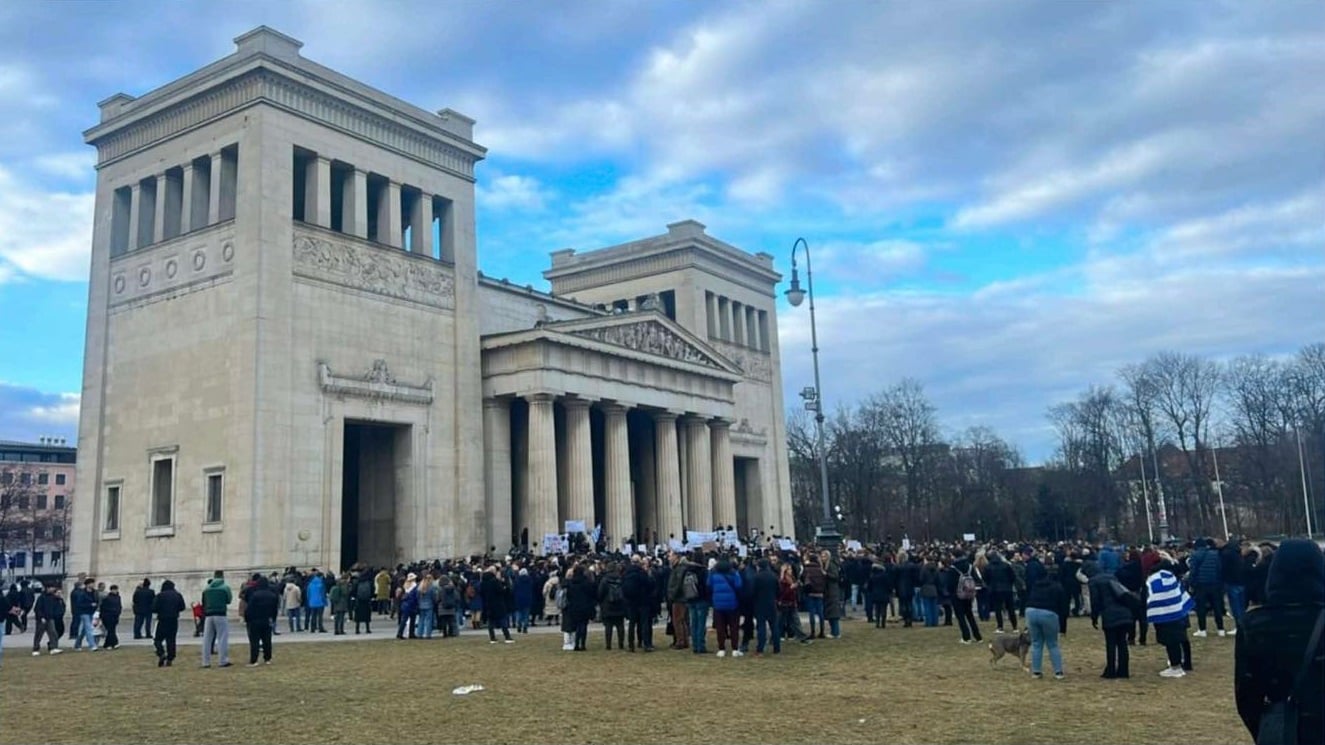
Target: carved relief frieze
[376, 384]
[755, 364]
[179, 265]
[381, 270]
[649, 337]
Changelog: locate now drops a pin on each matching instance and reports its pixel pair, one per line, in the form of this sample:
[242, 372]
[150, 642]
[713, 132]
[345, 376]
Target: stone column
[497, 470]
[724, 473]
[159, 210]
[392, 214]
[354, 211]
[541, 470]
[665, 465]
[620, 519]
[751, 328]
[214, 191]
[738, 323]
[320, 189]
[699, 494]
[579, 469]
[186, 200]
[711, 314]
[135, 225]
[421, 225]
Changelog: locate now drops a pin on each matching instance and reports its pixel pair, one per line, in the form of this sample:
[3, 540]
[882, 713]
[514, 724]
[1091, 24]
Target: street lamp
[827, 532]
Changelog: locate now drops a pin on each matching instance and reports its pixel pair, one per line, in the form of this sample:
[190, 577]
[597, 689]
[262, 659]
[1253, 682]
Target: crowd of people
[755, 599]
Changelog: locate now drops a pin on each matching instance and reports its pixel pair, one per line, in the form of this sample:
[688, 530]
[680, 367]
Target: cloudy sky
[1004, 200]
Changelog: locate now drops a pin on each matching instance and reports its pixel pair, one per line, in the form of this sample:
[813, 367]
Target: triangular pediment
[649, 333]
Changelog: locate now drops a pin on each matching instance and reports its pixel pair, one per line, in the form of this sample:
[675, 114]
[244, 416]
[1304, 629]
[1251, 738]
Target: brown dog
[1020, 645]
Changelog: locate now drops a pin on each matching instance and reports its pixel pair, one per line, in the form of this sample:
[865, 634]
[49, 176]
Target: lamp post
[814, 401]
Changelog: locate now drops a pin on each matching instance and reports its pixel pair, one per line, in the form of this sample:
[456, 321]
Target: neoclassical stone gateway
[292, 357]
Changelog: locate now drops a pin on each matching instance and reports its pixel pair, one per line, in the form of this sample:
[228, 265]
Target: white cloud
[72, 166]
[512, 192]
[44, 234]
[64, 412]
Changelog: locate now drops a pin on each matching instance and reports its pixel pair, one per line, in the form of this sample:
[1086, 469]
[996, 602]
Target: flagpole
[1302, 468]
[1145, 495]
[1219, 488]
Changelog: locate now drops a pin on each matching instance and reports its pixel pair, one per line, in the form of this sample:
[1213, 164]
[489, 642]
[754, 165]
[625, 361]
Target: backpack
[690, 587]
[561, 598]
[1279, 722]
[614, 594]
[967, 586]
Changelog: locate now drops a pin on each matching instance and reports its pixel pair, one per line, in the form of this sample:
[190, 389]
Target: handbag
[1279, 722]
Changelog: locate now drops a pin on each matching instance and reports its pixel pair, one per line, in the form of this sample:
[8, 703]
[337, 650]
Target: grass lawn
[895, 685]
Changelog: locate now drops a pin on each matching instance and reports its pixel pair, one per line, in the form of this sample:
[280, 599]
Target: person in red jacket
[790, 617]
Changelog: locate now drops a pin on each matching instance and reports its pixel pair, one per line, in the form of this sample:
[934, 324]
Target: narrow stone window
[112, 522]
[342, 180]
[377, 217]
[163, 492]
[303, 189]
[443, 236]
[668, 298]
[215, 490]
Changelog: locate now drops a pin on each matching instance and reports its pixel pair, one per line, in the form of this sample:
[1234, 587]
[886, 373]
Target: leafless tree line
[28, 523]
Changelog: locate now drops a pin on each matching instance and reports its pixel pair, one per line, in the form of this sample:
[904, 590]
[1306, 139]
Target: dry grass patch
[895, 685]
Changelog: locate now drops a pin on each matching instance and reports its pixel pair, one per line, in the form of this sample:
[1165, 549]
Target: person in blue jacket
[316, 594]
[724, 585]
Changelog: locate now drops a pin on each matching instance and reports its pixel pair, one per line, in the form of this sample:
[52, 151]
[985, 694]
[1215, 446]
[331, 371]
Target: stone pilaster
[135, 220]
[320, 173]
[186, 200]
[355, 209]
[421, 226]
[620, 520]
[699, 494]
[579, 468]
[497, 470]
[724, 474]
[392, 224]
[541, 470]
[666, 467]
[159, 209]
[214, 191]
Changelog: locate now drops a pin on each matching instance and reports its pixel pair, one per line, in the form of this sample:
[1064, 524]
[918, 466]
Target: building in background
[36, 506]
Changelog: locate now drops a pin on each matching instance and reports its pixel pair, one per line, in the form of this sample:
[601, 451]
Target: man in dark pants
[764, 602]
[1206, 577]
[638, 587]
[167, 606]
[260, 609]
[961, 607]
[143, 597]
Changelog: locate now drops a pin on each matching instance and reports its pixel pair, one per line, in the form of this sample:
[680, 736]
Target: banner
[786, 544]
[553, 544]
[695, 537]
[575, 526]
[676, 545]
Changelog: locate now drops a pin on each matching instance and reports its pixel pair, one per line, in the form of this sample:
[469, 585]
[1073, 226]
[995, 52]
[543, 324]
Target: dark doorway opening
[370, 480]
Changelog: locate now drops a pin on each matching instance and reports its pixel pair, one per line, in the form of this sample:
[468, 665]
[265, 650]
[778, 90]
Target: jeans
[1209, 600]
[930, 610]
[814, 606]
[338, 619]
[522, 619]
[142, 625]
[766, 626]
[878, 613]
[293, 615]
[617, 623]
[215, 629]
[259, 639]
[112, 633]
[47, 627]
[855, 595]
[315, 620]
[1043, 625]
[1237, 601]
[427, 620]
[917, 609]
[403, 621]
[83, 630]
[699, 616]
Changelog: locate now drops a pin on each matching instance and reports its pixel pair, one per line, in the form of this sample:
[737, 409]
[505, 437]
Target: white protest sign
[786, 544]
[853, 545]
[906, 544]
[627, 549]
[742, 551]
[552, 544]
[968, 536]
[575, 526]
[675, 545]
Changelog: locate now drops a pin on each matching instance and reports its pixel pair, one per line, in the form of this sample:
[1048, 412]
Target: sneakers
[1199, 634]
[567, 648]
[36, 654]
[509, 641]
[998, 631]
[722, 653]
[492, 641]
[1221, 633]
[1232, 632]
[252, 664]
[1172, 672]
[1059, 676]
[57, 650]
[738, 653]
[1037, 676]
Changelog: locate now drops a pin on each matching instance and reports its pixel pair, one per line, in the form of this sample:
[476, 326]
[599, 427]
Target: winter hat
[712, 563]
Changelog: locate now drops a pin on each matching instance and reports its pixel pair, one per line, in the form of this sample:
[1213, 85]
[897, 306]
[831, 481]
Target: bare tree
[908, 423]
[1185, 390]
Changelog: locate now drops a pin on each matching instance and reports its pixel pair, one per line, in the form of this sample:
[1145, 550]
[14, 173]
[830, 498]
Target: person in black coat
[1001, 581]
[907, 579]
[764, 605]
[581, 603]
[878, 589]
[612, 600]
[1114, 606]
[110, 609]
[1271, 646]
[143, 598]
[1130, 575]
[260, 610]
[167, 606]
[494, 591]
[641, 602]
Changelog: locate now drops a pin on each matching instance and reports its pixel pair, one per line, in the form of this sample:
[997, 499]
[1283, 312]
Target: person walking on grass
[216, 601]
[1113, 605]
[167, 606]
[1046, 616]
[967, 586]
[1205, 575]
[493, 588]
[764, 600]
[1167, 608]
[260, 610]
[83, 600]
[112, 606]
[49, 608]
[724, 586]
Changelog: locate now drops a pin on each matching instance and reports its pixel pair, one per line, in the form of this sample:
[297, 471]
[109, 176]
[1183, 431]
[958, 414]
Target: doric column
[724, 473]
[699, 494]
[421, 225]
[497, 470]
[724, 319]
[666, 467]
[751, 328]
[159, 209]
[393, 214]
[214, 192]
[186, 200]
[320, 189]
[579, 468]
[354, 211]
[620, 520]
[135, 226]
[711, 314]
[541, 470]
[738, 323]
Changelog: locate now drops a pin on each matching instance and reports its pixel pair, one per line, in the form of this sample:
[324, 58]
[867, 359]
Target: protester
[83, 602]
[1167, 608]
[216, 601]
[612, 606]
[143, 597]
[1113, 605]
[1206, 577]
[339, 599]
[49, 610]
[167, 605]
[494, 589]
[1046, 617]
[639, 588]
[112, 606]
[724, 585]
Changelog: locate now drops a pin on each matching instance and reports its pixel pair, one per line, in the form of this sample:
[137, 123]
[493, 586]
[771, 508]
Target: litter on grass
[465, 690]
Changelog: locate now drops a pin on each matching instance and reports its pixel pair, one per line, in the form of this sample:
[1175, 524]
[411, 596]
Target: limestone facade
[292, 358]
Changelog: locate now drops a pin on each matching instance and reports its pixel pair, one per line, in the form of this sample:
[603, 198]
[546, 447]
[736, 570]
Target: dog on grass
[1020, 645]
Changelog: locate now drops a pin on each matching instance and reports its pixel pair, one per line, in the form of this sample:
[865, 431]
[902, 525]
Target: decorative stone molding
[350, 262]
[376, 384]
[268, 86]
[188, 263]
[744, 432]
[650, 337]
[755, 364]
